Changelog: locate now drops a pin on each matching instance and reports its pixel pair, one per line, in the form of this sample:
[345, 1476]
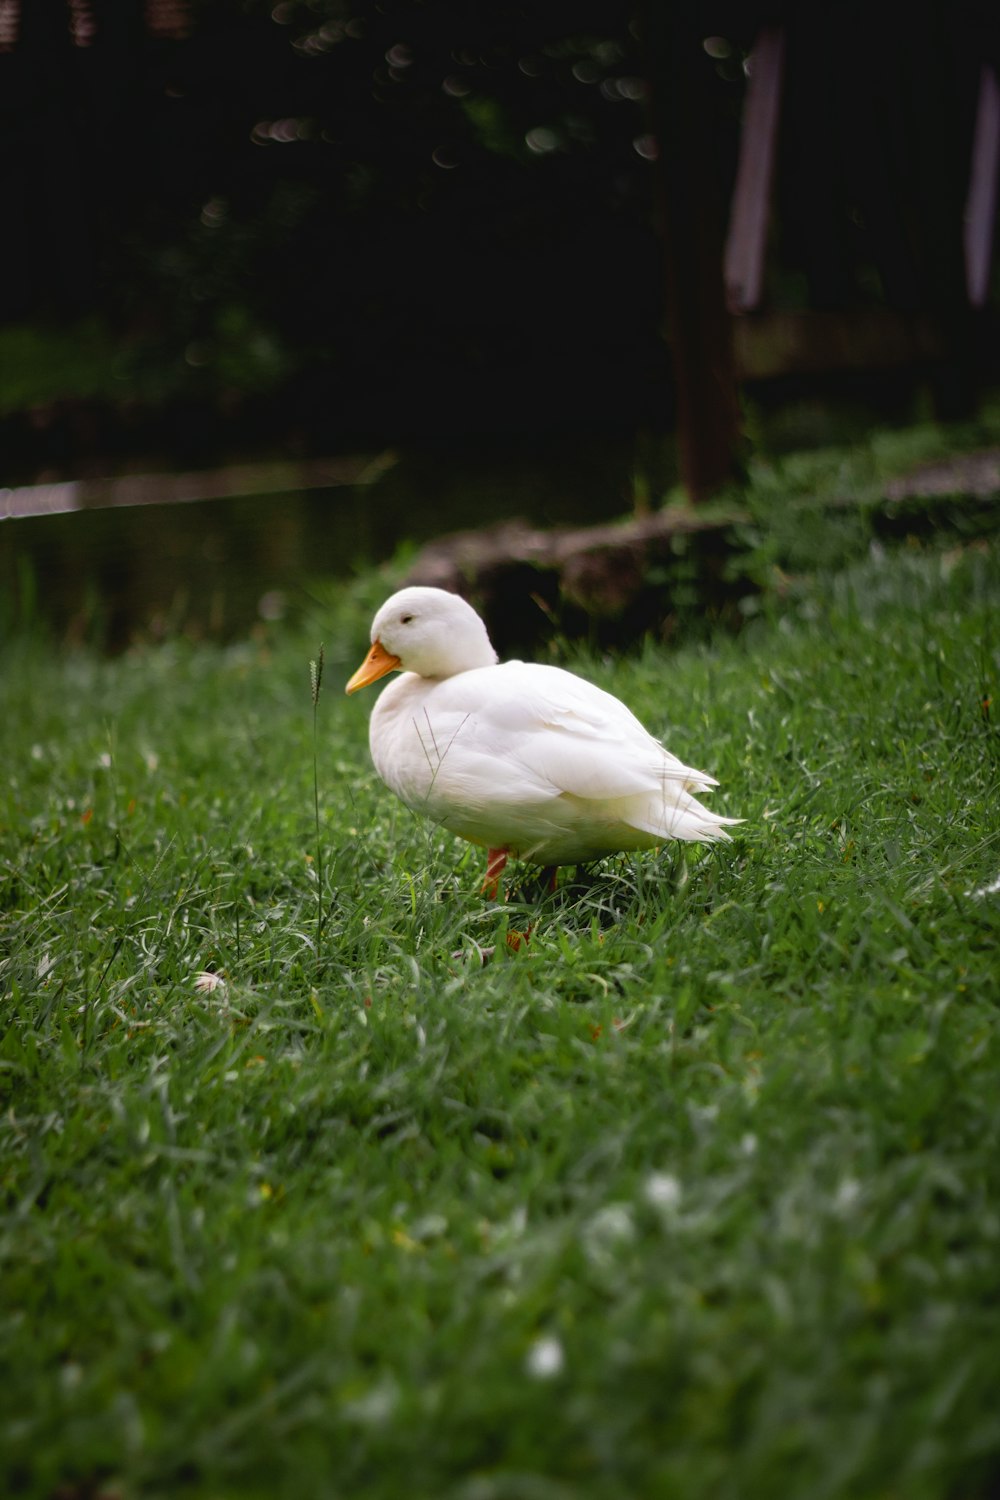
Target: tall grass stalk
[316, 683]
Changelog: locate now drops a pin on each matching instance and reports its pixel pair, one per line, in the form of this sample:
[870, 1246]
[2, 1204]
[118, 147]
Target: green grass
[698, 1194]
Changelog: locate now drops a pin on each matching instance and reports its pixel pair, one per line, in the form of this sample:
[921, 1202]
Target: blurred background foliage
[317, 222]
[241, 226]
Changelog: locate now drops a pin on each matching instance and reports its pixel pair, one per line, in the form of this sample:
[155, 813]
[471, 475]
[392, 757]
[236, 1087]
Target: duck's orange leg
[496, 859]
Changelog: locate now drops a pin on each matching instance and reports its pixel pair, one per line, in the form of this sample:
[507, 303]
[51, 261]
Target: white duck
[528, 761]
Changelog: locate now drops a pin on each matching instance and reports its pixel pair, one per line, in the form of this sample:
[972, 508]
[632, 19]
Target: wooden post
[688, 116]
[981, 203]
[746, 242]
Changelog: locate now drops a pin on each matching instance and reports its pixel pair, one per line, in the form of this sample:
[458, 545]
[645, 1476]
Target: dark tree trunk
[689, 117]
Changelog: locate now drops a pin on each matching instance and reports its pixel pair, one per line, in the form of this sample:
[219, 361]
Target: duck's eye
[405, 619]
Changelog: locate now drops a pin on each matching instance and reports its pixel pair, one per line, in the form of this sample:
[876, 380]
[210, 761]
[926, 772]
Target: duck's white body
[526, 760]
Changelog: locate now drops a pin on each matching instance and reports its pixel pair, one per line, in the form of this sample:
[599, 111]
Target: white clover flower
[847, 1194]
[662, 1190]
[545, 1358]
[206, 983]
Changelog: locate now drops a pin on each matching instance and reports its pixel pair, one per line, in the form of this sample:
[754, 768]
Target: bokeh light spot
[586, 71]
[456, 86]
[542, 140]
[214, 213]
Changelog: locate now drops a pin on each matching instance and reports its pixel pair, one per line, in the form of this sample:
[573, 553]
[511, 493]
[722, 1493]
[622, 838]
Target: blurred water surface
[112, 571]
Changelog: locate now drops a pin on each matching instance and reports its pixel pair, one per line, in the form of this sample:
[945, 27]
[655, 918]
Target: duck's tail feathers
[687, 820]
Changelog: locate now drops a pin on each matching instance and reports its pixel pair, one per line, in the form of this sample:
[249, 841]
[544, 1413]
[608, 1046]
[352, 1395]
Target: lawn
[697, 1194]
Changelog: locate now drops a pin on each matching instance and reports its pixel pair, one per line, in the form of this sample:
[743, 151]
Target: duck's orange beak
[375, 665]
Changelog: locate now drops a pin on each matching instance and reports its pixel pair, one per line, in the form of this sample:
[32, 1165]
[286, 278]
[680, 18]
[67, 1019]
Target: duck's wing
[553, 732]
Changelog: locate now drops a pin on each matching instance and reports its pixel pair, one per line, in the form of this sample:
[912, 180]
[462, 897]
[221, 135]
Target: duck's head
[427, 631]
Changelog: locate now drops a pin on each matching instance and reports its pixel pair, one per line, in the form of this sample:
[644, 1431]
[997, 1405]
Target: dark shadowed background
[491, 237]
